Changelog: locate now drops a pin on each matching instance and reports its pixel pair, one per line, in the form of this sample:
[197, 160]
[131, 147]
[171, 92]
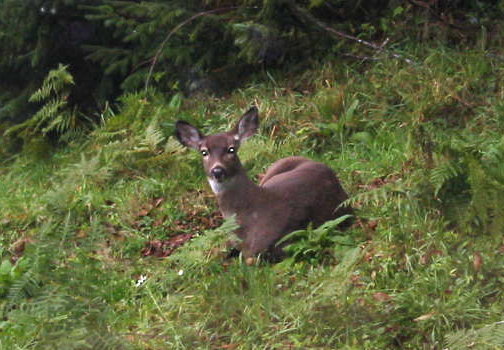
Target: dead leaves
[18, 247]
[195, 221]
[477, 261]
[164, 248]
[198, 221]
[427, 257]
[382, 297]
[380, 182]
[146, 217]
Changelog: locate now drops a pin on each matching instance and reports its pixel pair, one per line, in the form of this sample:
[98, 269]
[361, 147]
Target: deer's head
[220, 151]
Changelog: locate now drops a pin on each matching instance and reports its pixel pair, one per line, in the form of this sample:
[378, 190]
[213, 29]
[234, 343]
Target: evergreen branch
[173, 31]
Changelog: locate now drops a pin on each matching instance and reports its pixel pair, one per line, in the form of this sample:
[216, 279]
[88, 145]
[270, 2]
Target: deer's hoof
[250, 261]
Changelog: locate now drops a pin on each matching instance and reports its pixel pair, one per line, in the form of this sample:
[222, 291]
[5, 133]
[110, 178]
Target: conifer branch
[173, 31]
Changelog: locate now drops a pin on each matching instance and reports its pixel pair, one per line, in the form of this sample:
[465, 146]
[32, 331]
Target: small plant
[317, 245]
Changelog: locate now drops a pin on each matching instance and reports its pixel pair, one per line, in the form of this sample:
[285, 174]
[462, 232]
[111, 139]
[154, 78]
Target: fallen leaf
[18, 247]
[5, 221]
[157, 202]
[164, 248]
[425, 317]
[250, 261]
[381, 297]
[143, 212]
[372, 225]
[425, 259]
[81, 234]
[159, 222]
[110, 228]
[477, 261]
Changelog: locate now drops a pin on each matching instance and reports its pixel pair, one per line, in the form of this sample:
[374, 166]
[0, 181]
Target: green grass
[419, 148]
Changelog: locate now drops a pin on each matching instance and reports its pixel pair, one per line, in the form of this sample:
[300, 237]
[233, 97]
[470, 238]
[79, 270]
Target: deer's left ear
[248, 124]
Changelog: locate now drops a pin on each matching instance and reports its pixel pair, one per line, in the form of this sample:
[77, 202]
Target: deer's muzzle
[218, 173]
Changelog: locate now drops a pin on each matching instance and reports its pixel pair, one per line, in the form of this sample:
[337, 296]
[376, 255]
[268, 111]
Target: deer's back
[310, 188]
[295, 192]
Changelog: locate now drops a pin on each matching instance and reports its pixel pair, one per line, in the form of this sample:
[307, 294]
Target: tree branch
[304, 16]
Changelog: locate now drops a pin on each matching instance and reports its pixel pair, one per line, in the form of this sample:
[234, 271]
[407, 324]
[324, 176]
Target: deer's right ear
[188, 135]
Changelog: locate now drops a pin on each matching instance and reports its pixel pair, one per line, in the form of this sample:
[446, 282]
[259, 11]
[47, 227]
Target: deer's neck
[237, 195]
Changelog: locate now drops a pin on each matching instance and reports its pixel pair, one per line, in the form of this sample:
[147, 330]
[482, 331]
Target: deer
[293, 193]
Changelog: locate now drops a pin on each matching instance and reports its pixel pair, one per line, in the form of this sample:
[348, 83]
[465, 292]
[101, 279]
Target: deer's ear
[248, 124]
[188, 135]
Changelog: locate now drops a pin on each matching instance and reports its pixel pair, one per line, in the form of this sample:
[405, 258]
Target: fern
[378, 196]
[54, 115]
[485, 338]
[172, 146]
[153, 136]
[316, 245]
[88, 171]
[55, 83]
[443, 173]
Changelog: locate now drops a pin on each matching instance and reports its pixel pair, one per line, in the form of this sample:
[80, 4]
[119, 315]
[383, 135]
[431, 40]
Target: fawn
[294, 191]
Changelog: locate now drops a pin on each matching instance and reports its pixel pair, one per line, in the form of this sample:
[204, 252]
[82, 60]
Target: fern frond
[53, 115]
[443, 173]
[23, 287]
[376, 196]
[55, 82]
[172, 146]
[89, 170]
[488, 337]
[153, 136]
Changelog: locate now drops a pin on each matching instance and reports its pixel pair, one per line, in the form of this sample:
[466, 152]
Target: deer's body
[294, 191]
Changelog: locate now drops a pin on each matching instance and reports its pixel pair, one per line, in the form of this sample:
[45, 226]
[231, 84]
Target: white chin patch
[217, 186]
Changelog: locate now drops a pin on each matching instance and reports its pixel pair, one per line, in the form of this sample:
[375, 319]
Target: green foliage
[487, 337]
[203, 248]
[36, 36]
[14, 279]
[55, 115]
[418, 147]
[205, 46]
[139, 45]
[469, 175]
[317, 245]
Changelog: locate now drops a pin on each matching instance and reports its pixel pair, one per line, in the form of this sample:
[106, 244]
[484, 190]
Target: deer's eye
[231, 150]
[204, 152]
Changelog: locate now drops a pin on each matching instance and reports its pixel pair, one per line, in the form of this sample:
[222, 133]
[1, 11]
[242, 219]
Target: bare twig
[305, 16]
[362, 58]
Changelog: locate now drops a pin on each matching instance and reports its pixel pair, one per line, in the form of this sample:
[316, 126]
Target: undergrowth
[418, 146]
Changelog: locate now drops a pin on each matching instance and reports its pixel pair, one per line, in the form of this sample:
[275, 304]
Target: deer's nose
[218, 173]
